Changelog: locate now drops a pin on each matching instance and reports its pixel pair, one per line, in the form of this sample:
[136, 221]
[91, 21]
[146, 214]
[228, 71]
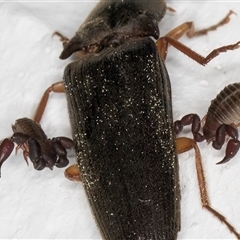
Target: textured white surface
[46, 205]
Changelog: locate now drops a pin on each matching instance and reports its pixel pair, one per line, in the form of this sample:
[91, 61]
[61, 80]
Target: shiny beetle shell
[119, 101]
[125, 143]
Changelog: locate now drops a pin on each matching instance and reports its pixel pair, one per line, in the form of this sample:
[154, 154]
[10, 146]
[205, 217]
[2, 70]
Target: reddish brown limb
[162, 45]
[63, 39]
[188, 29]
[72, 173]
[57, 88]
[185, 144]
[204, 31]
[171, 9]
[180, 30]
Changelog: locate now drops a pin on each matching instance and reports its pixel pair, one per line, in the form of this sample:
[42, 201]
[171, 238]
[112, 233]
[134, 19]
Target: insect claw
[231, 150]
[225, 160]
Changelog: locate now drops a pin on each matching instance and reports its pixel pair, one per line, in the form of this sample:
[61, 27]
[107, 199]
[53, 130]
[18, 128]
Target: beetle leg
[72, 173]
[62, 37]
[171, 9]
[6, 149]
[57, 87]
[163, 42]
[224, 21]
[188, 28]
[185, 144]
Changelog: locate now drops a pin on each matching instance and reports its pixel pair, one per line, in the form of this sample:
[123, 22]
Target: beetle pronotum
[182, 80]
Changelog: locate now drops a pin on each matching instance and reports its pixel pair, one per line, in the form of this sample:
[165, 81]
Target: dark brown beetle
[43, 152]
[119, 101]
[75, 205]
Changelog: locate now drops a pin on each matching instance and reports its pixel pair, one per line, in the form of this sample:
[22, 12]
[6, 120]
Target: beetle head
[112, 23]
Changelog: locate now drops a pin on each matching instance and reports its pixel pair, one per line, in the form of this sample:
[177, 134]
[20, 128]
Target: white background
[44, 204]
